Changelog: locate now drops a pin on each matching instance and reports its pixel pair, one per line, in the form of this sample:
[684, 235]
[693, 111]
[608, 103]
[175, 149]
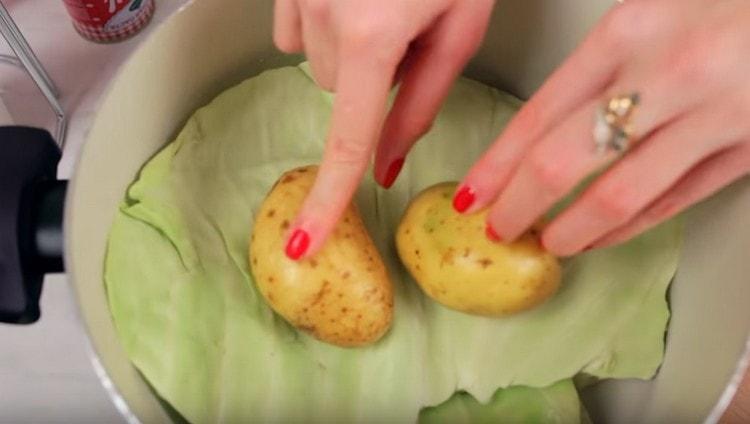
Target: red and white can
[106, 21]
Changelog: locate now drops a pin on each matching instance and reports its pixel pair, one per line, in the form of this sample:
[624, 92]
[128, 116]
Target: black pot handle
[31, 216]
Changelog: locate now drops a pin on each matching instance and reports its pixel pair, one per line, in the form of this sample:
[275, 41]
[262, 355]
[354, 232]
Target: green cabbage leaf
[188, 313]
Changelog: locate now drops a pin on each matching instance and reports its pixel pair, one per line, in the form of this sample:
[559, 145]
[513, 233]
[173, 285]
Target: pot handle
[31, 214]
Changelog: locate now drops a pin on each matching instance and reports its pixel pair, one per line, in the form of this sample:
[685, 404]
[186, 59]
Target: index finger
[362, 87]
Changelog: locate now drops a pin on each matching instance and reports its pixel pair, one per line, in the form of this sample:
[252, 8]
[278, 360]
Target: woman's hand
[689, 61]
[359, 48]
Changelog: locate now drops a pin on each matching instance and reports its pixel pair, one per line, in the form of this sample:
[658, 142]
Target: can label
[109, 20]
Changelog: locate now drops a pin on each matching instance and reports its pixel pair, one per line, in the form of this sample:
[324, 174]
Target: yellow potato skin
[454, 263]
[342, 295]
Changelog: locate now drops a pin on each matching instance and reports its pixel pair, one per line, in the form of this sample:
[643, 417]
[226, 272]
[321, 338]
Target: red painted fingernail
[463, 199]
[392, 173]
[492, 234]
[297, 244]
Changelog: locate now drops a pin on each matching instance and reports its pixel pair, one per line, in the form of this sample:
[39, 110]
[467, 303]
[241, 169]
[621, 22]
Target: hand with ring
[658, 91]
[657, 96]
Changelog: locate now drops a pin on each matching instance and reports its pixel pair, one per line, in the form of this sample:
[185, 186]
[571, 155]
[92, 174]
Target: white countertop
[45, 373]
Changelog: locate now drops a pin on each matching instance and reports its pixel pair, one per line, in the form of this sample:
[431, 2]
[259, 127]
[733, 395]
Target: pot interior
[204, 49]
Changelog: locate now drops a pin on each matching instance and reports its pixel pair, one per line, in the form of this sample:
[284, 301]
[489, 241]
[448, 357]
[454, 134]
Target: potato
[341, 295]
[454, 263]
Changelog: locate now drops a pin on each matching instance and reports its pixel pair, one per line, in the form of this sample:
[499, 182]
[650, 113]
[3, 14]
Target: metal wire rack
[26, 59]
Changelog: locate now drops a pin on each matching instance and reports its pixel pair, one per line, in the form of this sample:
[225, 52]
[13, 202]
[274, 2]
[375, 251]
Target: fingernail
[463, 199]
[297, 244]
[392, 173]
[491, 233]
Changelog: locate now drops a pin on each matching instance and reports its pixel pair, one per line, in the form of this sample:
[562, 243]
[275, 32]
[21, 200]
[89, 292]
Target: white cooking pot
[211, 45]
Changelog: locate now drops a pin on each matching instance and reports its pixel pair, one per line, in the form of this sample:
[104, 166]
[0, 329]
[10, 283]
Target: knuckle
[551, 175]
[528, 122]
[317, 9]
[684, 61]
[419, 125]
[364, 32]
[615, 204]
[630, 22]
[704, 59]
[380, 40]
[348, 153]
